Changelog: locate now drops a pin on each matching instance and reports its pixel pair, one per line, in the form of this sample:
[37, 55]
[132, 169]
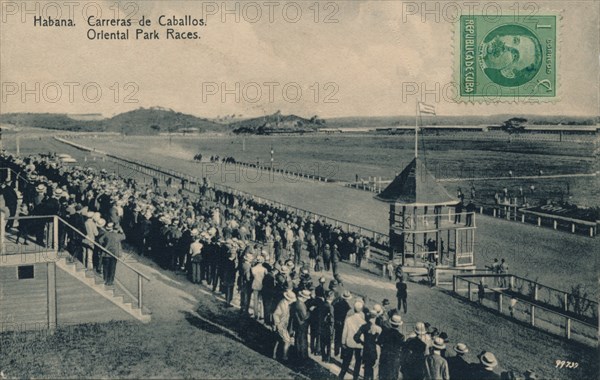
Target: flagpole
[417, 130]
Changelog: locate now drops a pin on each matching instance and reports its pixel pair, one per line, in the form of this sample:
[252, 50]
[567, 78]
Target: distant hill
[142, 121]
[277, 123]
[149, 121]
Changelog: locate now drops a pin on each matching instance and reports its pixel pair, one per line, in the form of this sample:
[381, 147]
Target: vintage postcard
[321, 189]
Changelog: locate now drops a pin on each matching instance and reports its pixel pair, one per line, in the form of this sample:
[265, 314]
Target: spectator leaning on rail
[111, 240]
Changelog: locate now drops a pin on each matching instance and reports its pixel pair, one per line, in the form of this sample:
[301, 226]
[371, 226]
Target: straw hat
[461, 348]
[101, 223]
[488, 359]
[347, 295]
[304, 294]
[438, 343]
[396, 320]
[110, 226]
[290, 296]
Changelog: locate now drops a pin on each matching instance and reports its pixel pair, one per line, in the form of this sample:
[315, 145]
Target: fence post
[469, 290]
[568, 328]
[140, 303]
[532, 315]
[573, 227]
[539, 221]
[523, 218]
[500, 302]
[566, 302]
[453, 284]
[555, 224]
[55, 234]
[2, 233]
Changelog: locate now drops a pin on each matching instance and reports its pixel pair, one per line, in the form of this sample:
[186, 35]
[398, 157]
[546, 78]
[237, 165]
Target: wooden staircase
[95, 283]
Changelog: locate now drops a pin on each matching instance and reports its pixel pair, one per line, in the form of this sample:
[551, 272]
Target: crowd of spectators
[233, 243]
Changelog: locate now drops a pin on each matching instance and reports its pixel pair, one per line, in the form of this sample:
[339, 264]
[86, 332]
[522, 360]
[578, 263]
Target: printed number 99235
[566, 364]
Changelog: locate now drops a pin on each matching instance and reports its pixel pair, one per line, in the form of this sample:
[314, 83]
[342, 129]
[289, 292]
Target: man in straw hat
[300, 320]
[258, 275]
[91, 231]
[459, 367]
[393, 354]
[341, 307]
[195, 252]
[416, 348]
[368, 335]
[281, 319]
[111, 241]
[436, 367]
[350, 347]
[485, 369]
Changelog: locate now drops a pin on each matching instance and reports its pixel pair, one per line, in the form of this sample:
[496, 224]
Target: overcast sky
[366, 62]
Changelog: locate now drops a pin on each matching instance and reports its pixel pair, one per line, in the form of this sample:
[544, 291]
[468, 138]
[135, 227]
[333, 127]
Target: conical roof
[416, 186]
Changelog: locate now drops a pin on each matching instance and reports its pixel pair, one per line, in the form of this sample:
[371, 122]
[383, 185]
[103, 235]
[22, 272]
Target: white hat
[396, 320]
[290, 295]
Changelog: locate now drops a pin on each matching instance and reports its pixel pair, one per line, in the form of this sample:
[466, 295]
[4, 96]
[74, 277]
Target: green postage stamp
[506, 58]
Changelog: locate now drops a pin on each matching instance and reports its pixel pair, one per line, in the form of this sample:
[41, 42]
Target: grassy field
[345, 157]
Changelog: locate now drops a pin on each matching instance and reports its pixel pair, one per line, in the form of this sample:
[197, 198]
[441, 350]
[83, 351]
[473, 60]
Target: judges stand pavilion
[424, 227]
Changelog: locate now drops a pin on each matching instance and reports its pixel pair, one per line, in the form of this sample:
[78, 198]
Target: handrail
[537, 305]
[103, 249]
[520, 278]
[558, 217]
[17, 174]
[82, 235]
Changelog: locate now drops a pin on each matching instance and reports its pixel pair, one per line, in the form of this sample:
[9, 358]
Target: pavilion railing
[47, 237]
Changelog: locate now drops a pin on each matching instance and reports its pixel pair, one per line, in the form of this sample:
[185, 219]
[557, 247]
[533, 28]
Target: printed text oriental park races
[97, 25]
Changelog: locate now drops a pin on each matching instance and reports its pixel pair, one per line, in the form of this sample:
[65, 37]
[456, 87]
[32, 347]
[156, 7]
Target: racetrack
[556, 259]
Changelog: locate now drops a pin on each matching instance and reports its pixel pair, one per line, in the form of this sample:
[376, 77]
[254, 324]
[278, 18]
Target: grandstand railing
[500, 295]
[128, 279]
[9, 174]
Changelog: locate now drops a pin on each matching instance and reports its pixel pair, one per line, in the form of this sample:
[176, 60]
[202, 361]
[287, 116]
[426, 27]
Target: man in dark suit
[458, 366]
[326, 326]
[10, 200]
